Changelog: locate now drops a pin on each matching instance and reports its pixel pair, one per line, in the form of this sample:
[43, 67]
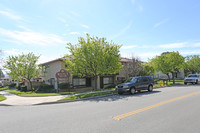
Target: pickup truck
[192, 78]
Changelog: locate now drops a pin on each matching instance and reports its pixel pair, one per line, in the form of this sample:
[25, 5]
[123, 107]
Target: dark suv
[136, 84]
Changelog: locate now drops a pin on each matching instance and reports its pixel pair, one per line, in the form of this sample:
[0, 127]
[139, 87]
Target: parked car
[192, 78]
[136, 84]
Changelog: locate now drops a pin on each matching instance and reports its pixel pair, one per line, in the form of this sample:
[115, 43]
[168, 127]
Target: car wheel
[185, 83]
[150, 88]
[196, 82]
[132, 91]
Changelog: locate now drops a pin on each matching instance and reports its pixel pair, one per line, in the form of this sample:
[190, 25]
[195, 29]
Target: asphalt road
[165, 110]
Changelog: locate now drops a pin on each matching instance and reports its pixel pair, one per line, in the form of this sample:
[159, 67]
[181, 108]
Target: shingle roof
[61, 59]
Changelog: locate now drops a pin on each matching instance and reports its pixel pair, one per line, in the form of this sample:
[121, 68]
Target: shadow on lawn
[123, 96]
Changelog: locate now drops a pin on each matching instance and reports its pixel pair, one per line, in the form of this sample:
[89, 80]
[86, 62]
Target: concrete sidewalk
[17, 100]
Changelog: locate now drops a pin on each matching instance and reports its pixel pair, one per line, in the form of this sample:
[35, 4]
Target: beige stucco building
[55, 66]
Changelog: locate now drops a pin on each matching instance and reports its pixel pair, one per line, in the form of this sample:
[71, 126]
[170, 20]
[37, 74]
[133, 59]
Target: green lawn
[177, 82]
[4, 88]
[88, 95]
[2, 97]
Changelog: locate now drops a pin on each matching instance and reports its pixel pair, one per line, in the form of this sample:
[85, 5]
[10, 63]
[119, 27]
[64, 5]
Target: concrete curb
[168, 86]
[5, 105]
[76, 100]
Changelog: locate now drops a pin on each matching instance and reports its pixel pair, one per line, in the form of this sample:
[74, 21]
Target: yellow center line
[152, 106]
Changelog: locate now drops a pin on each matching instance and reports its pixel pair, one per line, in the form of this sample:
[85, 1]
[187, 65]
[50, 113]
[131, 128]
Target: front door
[138, 84]
[101, 82]
[145, 82]
[52, 82]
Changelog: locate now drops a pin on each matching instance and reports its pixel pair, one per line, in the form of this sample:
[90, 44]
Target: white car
[192, 78]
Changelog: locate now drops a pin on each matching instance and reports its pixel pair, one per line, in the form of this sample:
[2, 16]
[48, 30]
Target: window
[79, 82]
[144, 79]
[139, 80]
[108, 80]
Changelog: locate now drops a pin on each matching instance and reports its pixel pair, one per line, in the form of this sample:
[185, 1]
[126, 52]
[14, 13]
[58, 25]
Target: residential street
[177, 112]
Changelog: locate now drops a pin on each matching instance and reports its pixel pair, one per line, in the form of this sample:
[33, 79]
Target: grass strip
[31, 94]
[177, 82]
[90, 91]
[87, 95]
[4, 88]
[39, 94]
[2, 97]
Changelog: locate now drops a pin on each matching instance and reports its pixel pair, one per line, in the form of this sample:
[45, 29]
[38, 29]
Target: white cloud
[23, 27]
[15, 52]
[122, 31]
[129, 47]
[85, 32]
[62, 20]
[173, 45]
[66, 25]
[143, 56]
[74, 13]
[196, 45]
[140, 8]
[42, 59]
[133, 2]
[160, 23]
[84, 26]
[32, 37]
[74, 33]
[45, 58]
[10, 15]
[190, 52]
[148, 54]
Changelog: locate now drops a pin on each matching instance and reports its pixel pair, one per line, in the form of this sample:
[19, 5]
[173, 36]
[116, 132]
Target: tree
[176, 63]
[134, 66]
[192, 63]
[23, 67]
[160, 65]
[168, 62]
[1, 63]
[147, 70]
[1, 74]
[93, 57]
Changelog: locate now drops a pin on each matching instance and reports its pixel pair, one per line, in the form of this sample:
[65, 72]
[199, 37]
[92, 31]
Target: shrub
[110, 86]
[45, 88]
[64, 86]
[19, 87]
[24, 88]
[12, 85]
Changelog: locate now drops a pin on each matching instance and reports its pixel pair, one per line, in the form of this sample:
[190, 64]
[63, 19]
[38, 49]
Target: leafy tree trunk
[168, 76]
[173, 77]
[95, 82]
[30, 84]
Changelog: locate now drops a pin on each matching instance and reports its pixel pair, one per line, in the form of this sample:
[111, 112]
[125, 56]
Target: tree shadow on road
[124, 96]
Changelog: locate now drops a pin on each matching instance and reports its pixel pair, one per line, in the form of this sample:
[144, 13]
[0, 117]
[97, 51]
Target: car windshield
[131, 80]
[192, 76]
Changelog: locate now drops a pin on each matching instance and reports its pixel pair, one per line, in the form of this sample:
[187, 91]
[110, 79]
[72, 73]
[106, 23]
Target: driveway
[17, 100]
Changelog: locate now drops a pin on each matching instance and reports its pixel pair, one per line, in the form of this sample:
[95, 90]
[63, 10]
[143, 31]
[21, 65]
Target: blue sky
[145, 28]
